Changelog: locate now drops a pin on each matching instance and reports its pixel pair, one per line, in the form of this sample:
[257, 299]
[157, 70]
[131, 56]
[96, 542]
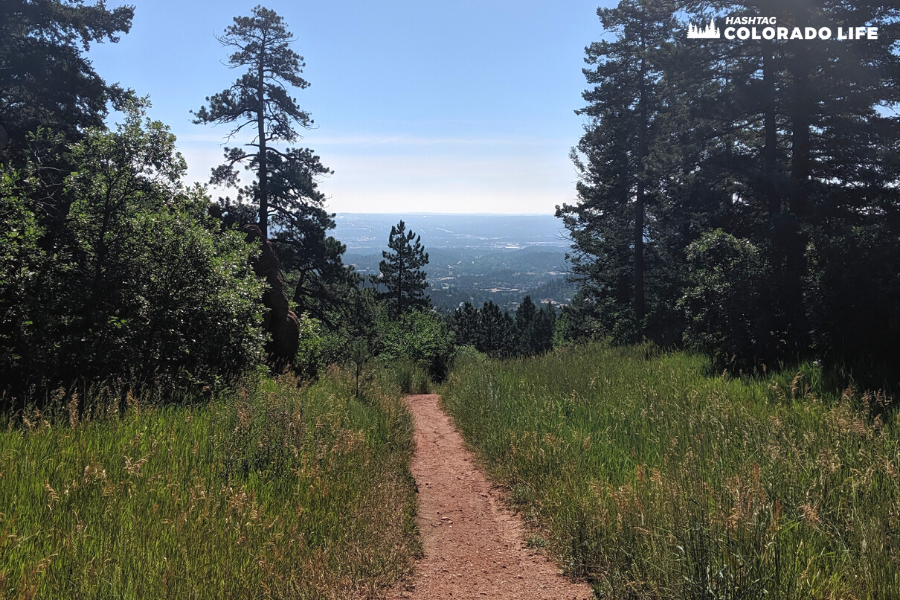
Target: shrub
[311, 354]
[726, 302]
[141, 284]
[21, 260]
[421, 338]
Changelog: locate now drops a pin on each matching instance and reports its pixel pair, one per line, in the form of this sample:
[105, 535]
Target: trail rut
[473, 547]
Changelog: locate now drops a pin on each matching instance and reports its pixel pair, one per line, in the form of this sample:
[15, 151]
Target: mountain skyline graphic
[711, 31]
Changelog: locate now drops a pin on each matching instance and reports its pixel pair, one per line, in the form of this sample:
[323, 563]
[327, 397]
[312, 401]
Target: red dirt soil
[473, 547]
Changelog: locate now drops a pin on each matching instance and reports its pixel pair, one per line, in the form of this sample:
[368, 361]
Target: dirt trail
[473, 546]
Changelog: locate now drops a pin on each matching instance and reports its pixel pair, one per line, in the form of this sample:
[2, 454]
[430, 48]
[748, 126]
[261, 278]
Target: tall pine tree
[608, 224]
[787, 143]
[401, 272]
[259, 99]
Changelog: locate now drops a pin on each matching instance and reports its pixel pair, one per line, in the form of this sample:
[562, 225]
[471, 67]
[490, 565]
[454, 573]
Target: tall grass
[271, 492]
[409, 376]
[655, 481]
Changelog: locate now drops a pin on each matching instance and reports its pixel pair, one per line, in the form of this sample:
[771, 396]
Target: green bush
[727, 302]
[21, 261]
[421, 338]
[311, 354]
[142, 284]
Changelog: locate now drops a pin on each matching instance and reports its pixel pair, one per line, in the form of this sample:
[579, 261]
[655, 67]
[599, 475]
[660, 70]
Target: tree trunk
[639, 199]
[770, 151]
[261, 132]
[799, 189]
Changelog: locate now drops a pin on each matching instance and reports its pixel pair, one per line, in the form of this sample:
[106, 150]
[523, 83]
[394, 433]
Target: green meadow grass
[654, 480]
[272, 491]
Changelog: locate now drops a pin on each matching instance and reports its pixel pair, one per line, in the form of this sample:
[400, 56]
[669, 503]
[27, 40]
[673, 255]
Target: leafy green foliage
[421, 338]
[311, 353]
[143, 284]
[728, 302]
[21, 262]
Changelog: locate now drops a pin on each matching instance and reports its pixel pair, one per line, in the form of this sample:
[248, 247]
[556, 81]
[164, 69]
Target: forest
[739, 197]
[180, 366]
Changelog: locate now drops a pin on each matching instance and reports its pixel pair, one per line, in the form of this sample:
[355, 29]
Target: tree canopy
[45, 79]
[766, 162]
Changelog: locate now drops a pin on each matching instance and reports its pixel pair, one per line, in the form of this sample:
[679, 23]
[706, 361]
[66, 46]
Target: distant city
[473, 258]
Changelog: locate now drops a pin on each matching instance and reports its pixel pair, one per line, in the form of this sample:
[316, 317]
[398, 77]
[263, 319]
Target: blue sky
[428, 105]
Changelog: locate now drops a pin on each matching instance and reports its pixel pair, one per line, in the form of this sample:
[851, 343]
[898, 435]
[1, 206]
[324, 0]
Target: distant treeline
[499, 334]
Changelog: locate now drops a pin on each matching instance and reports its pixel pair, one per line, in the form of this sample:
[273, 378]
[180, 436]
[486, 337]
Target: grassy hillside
[656, 481]
[270, 492]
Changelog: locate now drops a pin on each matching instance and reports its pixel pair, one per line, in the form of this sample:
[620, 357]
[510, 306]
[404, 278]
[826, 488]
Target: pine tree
[465, 324]
[608, 224]
[259, 99]
[45, 79]
[50, 94]
[787, 144]
[543, 329]
[401, 272]
[526, 315]
[496, 331]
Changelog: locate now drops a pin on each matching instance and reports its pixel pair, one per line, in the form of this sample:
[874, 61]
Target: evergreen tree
[50, 94]
[496, 331]
[543, 329]
[45, 79]
[526, 316]
[785, 144]
[465, 324]
[401, 272]
[534, 328]
[321, 282]
[608, 224]
[285, 179]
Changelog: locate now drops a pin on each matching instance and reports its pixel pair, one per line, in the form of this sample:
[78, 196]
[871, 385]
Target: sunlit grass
[272, 491]
[656, 481]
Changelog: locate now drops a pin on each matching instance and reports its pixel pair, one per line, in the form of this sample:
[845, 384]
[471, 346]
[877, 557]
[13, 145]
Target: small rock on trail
[473, 547]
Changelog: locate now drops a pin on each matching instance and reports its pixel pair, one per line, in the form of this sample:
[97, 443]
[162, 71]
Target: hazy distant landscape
[472, 257]
[361, 231]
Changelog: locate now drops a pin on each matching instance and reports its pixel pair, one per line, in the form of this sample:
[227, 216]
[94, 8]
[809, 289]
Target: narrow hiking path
[473, 547]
